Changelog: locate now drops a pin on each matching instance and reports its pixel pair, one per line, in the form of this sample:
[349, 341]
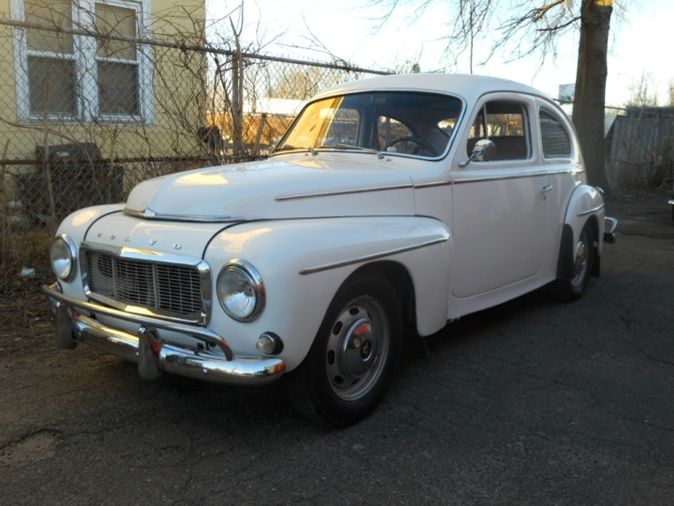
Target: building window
[117, 62]
[61, 75]
[50, 60]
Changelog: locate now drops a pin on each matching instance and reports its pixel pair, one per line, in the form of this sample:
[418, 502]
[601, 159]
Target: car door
[499, 202]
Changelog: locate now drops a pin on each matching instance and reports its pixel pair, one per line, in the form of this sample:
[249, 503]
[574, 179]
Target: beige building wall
[175, 91]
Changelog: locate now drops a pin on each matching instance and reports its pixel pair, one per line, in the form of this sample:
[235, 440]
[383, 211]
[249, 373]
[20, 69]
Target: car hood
[288, 186]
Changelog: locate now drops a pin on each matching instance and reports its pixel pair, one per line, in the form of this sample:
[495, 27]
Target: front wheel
[351, 362]
[583, 256]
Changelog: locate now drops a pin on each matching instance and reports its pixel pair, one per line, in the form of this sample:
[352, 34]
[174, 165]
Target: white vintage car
[391, 203]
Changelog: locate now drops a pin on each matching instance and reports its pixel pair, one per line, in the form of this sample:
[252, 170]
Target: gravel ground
[533, 401]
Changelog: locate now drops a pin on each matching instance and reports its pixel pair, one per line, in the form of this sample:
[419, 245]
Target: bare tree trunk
[590, 93]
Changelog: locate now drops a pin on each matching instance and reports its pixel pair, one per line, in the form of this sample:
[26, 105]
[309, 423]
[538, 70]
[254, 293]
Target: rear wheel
[351, 362]
[583, 256]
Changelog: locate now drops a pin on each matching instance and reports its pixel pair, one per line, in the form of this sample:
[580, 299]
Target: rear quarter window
[554, 137]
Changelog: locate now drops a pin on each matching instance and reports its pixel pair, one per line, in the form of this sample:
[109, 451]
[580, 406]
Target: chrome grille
[169, 289]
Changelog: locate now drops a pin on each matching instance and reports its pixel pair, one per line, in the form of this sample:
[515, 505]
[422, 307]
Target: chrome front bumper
[154, 355]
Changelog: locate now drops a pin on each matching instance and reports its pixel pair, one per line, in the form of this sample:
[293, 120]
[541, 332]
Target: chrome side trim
[373, 256]
[149, 214]
[282, 198]
[518, 176]
[590, 211]
[432, 184]
[151, 256]
[563, 171]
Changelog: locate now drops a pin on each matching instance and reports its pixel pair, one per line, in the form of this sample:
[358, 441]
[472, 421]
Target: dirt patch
[25, 318]
[645, 213]
[29, 449]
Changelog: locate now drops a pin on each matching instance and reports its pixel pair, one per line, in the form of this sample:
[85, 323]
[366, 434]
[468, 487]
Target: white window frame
[86, 65]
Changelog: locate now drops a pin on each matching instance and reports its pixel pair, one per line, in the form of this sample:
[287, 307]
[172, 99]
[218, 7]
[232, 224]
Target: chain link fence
[89, 110]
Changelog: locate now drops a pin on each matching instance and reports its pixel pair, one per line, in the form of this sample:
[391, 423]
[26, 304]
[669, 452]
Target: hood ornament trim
[150, 214]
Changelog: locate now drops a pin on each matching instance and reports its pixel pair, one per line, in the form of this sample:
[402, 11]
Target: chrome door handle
[546, 188]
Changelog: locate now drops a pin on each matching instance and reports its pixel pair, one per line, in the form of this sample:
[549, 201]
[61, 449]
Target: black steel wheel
[355, 352]
[583, 256]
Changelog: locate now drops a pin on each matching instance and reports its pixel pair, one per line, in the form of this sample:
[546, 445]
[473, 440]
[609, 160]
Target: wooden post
[5, 207]
[47, 175]
[237, 103]
[258, 134]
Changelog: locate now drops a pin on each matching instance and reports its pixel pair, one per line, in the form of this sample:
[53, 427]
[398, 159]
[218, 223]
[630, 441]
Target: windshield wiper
[351, 147]
[339, 146]
[285, 148]
[294, 148]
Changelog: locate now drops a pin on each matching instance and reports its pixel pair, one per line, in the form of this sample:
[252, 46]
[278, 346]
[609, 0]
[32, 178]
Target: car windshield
[417, 124]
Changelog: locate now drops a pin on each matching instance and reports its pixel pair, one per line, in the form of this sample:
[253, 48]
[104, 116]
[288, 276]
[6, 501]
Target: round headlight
[62, 256]
[240, 291]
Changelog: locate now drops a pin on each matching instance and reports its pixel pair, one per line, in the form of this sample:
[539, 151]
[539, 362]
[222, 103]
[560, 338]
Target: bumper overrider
[77, 318]
[610, 226]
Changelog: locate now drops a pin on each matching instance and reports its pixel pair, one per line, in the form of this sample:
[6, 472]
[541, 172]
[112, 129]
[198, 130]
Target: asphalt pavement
[534, 401]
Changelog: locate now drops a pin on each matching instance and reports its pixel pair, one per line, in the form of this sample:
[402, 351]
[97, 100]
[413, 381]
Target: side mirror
[482, 152]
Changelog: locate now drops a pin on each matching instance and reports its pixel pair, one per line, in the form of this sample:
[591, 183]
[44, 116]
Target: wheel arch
[585, 208]
[566, 249]
[401, 280]
[305, 262]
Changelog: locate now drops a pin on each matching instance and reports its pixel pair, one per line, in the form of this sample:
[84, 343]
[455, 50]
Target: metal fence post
[237, 104]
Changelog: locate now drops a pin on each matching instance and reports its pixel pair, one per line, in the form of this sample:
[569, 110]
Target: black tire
[583, 258]
[354, 355]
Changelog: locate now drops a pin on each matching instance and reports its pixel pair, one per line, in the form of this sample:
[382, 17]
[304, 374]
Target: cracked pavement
[533, 401]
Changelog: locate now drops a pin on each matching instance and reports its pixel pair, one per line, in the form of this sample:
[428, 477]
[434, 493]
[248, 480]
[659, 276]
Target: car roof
[467, 86]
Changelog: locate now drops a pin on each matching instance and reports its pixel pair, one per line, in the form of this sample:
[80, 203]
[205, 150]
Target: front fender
[76, 225]
[304, 262]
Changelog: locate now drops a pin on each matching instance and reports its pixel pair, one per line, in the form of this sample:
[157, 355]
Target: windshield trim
[381, 154]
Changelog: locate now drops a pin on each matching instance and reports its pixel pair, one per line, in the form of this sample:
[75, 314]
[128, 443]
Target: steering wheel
[420, 144]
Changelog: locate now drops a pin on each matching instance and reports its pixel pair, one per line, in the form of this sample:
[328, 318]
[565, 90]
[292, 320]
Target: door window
[505, 124]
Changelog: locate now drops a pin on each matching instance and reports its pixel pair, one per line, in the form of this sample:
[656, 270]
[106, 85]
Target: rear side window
[555, 138]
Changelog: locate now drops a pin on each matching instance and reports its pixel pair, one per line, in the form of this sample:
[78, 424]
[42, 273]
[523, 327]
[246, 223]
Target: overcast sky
[640, 42]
